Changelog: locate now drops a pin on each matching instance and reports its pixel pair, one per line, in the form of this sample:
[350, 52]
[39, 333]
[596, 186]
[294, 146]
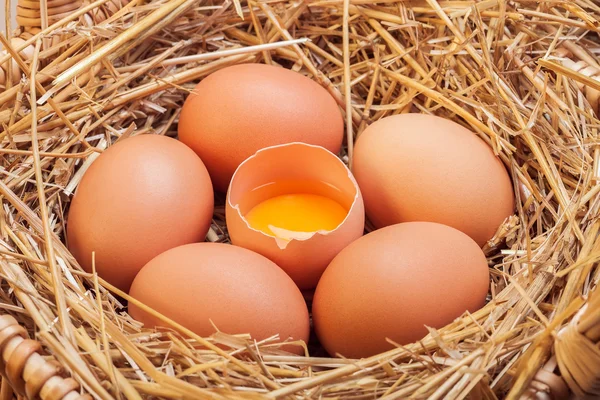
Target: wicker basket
[524, 75]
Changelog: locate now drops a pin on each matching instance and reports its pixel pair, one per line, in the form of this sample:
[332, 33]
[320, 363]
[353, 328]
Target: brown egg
[142, 196]
[302, 240]
[394, 281]
[208, 285]
[241, 109]
[417, 167]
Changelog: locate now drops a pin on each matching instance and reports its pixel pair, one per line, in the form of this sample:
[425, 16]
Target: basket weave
[524, 75]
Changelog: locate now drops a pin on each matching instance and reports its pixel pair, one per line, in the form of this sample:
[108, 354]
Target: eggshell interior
[287, 169]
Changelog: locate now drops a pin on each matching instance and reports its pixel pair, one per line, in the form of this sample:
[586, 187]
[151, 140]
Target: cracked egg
[296, 204]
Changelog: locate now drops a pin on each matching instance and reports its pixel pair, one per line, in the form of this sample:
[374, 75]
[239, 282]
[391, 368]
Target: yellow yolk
[296, 212]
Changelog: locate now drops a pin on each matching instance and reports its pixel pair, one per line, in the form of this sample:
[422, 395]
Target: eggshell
[237, 290]
[142, 196]
[241, 109]
[300, 168]
[417, 167]
[394, 281]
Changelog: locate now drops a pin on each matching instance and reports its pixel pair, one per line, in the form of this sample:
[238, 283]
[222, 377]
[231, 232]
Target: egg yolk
[296, 212]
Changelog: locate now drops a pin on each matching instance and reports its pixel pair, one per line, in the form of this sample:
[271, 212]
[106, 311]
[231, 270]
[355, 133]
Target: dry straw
[524, 75]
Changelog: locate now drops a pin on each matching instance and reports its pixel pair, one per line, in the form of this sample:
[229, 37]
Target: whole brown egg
[142, 196]
[418, 167]
[238, 110]
[210, 286]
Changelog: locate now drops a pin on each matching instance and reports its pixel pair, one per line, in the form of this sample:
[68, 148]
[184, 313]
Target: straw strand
[523, 76]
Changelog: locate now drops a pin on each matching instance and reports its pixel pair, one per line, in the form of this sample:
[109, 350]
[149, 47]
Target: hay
[523, 75]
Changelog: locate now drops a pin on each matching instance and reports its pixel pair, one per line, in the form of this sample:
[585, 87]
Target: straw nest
[522, 74]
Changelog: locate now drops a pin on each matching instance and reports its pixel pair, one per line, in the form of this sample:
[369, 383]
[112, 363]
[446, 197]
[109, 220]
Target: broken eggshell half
[294, 168]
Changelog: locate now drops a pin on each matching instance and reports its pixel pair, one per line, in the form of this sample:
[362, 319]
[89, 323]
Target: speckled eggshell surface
[140, 197]
[241, 109]
[394, 281]
[417, 167]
